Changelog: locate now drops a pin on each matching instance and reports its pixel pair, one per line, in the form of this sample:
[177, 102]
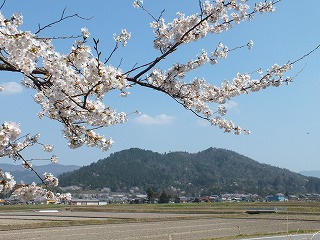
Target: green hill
[212, 171]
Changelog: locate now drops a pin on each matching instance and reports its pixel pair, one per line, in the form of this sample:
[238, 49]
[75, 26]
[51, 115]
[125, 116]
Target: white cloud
[157, 120]
[11, 88]
[231, 104]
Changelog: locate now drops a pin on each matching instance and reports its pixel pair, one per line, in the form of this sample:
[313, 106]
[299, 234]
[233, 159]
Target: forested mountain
[212, 171]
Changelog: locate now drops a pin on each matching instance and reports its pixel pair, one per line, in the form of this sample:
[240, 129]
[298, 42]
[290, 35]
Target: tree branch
[60, 20]
[306, 55]
[11, 68]
[4, 1]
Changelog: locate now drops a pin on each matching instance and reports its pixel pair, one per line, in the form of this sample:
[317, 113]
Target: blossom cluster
[54, 159]
[50, 179]
[72, 85]
[37, 193]
[30, 192]
[7, 181]
[63, 197]
[137, 3]
[9, 144]
[197, 94]
[9, 131]
[215, 18]
[11, 147]
[122, 38]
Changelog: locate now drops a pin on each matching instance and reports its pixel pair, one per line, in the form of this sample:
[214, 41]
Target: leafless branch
[136, 68]
[146, 84]
[120, 63]
[149, 13]
[113, 51]
[4, 1]
[34, 171]
[62, 18]
[201, 10]
[57, 38]
[306, 55]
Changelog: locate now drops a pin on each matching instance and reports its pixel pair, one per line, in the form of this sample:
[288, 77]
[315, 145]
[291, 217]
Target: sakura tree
[70, 87]
[12, 146]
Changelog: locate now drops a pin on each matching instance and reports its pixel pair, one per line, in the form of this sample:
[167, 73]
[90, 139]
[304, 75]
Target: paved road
[194, 229]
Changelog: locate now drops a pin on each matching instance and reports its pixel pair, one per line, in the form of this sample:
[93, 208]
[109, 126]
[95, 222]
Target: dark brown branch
[62, 18]
[119, 65]
[145, 84]
[31, 168]
[11, 68]
[113, 51]
[201, 10]
[136, 68]
[306, 55]
[4, 2]
[150, 14]
[58, 38]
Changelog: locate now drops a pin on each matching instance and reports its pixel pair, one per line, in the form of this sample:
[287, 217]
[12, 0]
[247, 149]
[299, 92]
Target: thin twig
[60, 20]
[113, 51]
[120, 63]
[201, 10]
[32, 169]
[57, 38]
[306, 55]
[4, 1]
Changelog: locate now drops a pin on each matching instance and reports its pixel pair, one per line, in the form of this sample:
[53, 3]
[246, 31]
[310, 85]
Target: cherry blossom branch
[27, 165]
[7, 66]
[181, 40]
[10, 146]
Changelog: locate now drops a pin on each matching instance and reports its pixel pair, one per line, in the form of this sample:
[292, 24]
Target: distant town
[105, 196]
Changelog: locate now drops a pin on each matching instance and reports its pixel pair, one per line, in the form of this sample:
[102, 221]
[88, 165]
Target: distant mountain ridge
[27, 176]
[212, 171]
[311, 173]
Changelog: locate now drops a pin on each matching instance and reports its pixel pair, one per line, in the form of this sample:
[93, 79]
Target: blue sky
[284, 121]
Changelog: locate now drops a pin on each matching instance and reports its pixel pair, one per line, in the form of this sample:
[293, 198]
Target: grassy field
[206, 208]
[305, 211]
[221, 208]
[226, 207]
